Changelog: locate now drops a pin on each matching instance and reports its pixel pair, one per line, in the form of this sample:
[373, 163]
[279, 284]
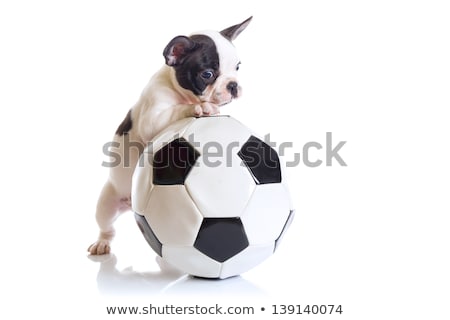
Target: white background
[372, 236]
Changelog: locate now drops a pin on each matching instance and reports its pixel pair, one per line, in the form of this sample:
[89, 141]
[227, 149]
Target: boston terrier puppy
[200, 76]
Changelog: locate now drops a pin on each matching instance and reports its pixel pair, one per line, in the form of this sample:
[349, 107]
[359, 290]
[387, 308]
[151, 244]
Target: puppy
[199, 77]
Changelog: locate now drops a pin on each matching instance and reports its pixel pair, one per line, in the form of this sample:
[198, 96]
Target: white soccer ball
[210, 197]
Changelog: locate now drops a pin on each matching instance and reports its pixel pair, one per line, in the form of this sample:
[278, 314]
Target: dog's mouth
[220, 96]
[225, 103]
[219, 104]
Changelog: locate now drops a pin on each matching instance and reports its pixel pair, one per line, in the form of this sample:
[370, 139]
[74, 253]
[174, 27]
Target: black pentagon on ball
[173, 162]
[262, 161]
[221, 238]
[148, 233]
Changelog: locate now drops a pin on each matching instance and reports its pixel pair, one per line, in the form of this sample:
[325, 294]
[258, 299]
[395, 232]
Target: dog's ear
[177, 49]
[232, 32]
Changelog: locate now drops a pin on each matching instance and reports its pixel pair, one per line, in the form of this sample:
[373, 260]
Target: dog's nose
[232, 87]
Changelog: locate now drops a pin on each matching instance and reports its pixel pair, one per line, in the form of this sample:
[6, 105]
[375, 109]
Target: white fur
[162, 102]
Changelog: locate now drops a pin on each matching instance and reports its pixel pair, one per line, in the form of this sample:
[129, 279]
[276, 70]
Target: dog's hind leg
[110, 205]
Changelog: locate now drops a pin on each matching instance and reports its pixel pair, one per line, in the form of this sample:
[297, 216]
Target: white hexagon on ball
[210, 197]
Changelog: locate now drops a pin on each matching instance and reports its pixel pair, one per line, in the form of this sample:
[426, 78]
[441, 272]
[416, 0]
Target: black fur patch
[204, 58]
[126, 125]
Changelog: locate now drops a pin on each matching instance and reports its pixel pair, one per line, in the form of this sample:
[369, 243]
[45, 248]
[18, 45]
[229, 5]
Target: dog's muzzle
[232, 88]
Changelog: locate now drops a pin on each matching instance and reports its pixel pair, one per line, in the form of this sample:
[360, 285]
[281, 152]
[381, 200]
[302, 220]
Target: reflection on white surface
[166, 281]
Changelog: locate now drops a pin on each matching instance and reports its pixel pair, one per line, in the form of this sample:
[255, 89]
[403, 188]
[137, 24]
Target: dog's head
[206, 63]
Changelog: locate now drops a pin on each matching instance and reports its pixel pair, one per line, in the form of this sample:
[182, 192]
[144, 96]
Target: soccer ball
[210, 197]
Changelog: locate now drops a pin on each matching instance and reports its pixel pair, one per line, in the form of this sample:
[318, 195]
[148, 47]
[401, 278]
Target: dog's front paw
[101, 246]
[206, 109]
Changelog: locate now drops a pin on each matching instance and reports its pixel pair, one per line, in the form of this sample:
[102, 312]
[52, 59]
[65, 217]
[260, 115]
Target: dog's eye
[207, 74]
[237, 66]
